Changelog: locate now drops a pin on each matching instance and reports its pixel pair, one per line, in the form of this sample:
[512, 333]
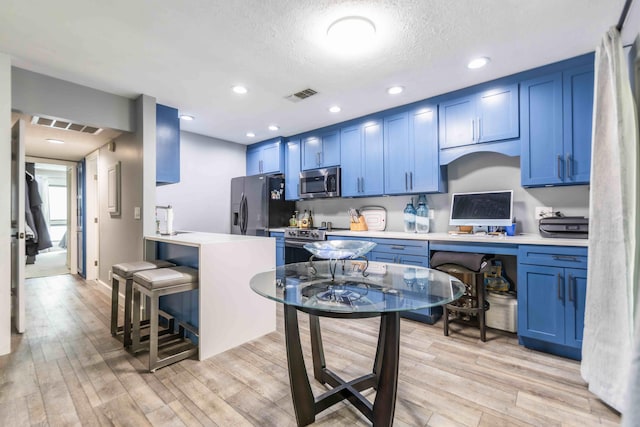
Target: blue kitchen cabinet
[292, 170]
[486, 116]
[556, 120]
[411, 152]
[551, 298]
[362, 161]
[279, 236]
[167, 145]
[400, 251]
[265, 157]
[321, 150]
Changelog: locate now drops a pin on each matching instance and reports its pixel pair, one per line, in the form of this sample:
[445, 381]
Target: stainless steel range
[294, 241]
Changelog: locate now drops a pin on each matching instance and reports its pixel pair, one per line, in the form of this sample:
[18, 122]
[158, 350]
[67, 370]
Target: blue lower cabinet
[551, 299]
[279, 247]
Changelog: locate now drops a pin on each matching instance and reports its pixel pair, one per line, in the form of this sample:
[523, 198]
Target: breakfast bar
[224, 309]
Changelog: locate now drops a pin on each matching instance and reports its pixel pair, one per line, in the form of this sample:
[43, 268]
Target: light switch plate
[136, 212]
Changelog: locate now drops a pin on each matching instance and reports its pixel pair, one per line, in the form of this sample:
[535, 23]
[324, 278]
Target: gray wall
[202, 199]
[35, 93]
[120, 236]
[475, 172]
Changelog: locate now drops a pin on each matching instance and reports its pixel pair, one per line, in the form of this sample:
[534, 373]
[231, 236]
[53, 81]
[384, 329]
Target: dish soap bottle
[410, 218]
[422, 215]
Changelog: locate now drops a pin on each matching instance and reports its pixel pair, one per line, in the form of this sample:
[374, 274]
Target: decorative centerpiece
[336, 250]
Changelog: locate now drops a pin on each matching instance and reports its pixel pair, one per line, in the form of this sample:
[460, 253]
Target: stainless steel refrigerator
[257, 204]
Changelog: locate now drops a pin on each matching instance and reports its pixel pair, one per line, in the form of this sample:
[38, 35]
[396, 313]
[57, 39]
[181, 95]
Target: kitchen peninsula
[224, 308]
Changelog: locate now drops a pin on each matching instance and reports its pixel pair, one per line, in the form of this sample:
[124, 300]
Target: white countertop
[520, 239]
[197, 238]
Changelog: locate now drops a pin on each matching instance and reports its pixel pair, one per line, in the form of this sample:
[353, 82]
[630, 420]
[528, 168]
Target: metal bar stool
[154, 284]
[125, 271]
[471, 307]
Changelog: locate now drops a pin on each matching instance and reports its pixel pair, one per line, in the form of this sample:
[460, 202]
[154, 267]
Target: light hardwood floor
[68, 370]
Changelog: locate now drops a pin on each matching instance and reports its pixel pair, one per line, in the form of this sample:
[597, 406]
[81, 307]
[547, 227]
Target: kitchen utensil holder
[361, 225]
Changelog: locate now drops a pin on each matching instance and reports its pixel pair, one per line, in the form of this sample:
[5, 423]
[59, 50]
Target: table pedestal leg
[389, 342]
[317, 350]
[303, 400]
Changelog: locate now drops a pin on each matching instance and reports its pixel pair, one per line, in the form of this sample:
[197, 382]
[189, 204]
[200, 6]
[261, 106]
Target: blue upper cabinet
[265, 157]
[489, 115]
[321, 150]
[411, 152]
[167, 145]
[362, 159]
[292, 170]
[556, 120]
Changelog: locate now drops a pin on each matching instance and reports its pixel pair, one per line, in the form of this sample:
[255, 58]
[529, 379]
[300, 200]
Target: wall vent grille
[66, 125]
[299, 96]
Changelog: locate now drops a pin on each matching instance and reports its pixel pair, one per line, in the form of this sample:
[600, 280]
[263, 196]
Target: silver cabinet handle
[560, 166]
[565, 258]
[559, 287]
[399, 248]
[406, 181]
[569, 168]
[478, 137]
[473, 130]
[571, 290]
[411, 180]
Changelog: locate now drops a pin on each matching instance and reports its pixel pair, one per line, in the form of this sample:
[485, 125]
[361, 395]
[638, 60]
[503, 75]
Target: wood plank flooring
[68, 370]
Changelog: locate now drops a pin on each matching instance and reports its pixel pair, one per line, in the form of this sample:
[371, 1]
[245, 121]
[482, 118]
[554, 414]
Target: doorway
[48, 246]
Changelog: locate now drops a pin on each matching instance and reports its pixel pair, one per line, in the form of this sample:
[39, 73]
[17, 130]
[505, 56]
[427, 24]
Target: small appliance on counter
[375, 217]
[564, 227]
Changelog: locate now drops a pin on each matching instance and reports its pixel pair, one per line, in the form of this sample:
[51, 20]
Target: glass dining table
[350, 289]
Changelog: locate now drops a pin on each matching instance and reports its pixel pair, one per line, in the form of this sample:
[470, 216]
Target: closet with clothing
[37, 233]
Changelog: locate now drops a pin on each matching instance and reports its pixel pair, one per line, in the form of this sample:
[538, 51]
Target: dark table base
[384, 376]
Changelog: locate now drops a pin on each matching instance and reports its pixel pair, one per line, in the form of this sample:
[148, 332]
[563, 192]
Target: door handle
[473, 130]
[559, 166]
[569, 168]
[559, 287]
[571, 290]
[362, 184]
[410, 180]
[19, 235]
[406, 181]
[478, 134]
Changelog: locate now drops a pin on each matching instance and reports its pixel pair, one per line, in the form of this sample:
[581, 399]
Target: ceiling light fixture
[241, 90]
[478, 62]
[251, 134]
[55, 141]
[274, 127]
[394, 90]
[351, 33]
[186, 117]
[335, 109]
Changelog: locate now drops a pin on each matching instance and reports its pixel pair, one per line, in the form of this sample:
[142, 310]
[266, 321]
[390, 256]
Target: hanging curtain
[612, 278]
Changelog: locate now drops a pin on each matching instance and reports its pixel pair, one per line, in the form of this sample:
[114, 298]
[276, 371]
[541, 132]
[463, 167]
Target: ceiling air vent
[66, 125]
[299, 96]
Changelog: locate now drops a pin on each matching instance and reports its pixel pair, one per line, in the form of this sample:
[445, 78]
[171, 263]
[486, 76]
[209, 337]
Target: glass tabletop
[380, 288]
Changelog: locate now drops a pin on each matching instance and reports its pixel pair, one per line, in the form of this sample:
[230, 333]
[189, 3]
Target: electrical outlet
[543, 211]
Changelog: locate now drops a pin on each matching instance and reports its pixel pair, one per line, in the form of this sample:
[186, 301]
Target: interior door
[17, 226]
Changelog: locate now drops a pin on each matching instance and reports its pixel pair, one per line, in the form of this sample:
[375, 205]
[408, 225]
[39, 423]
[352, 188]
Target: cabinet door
[424, 164]
[578, 115]
[497, 114]
[270, 156]
[457, 122]
[396, 154]
[372, 163]
[167, 145]
[541, 160]
[351, 166]
[541, 295]
[576, 280]
[311, 151]
[292, 170]
[330, 155]
[253, 161]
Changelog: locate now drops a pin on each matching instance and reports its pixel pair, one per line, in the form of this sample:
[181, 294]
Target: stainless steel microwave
[320, 183]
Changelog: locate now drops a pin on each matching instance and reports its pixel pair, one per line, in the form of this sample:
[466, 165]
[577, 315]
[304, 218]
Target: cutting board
[375, 217]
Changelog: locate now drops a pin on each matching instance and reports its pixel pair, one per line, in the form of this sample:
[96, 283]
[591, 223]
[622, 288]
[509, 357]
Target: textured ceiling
[189, 54]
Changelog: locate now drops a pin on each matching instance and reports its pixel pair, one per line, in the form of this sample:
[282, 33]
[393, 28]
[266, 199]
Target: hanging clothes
[31, 238]
[614, 215]
[35, 203]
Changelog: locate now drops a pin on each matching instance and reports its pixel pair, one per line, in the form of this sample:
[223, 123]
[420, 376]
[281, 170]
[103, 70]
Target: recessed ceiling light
[478, 62]
[55, 141]
[274, 127]
[351, 33]
[335, 109]
[251, 134]
[186, 117]
[394, 90]
[239, 89]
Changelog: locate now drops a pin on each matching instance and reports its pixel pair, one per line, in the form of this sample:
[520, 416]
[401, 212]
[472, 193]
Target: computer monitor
[482, 209]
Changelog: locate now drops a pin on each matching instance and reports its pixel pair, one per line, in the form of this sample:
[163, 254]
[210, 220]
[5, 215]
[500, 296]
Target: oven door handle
[296, 243]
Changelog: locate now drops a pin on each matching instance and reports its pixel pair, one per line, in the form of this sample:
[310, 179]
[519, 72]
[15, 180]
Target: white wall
[202, 198]
[475, 172]
[5, 204]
